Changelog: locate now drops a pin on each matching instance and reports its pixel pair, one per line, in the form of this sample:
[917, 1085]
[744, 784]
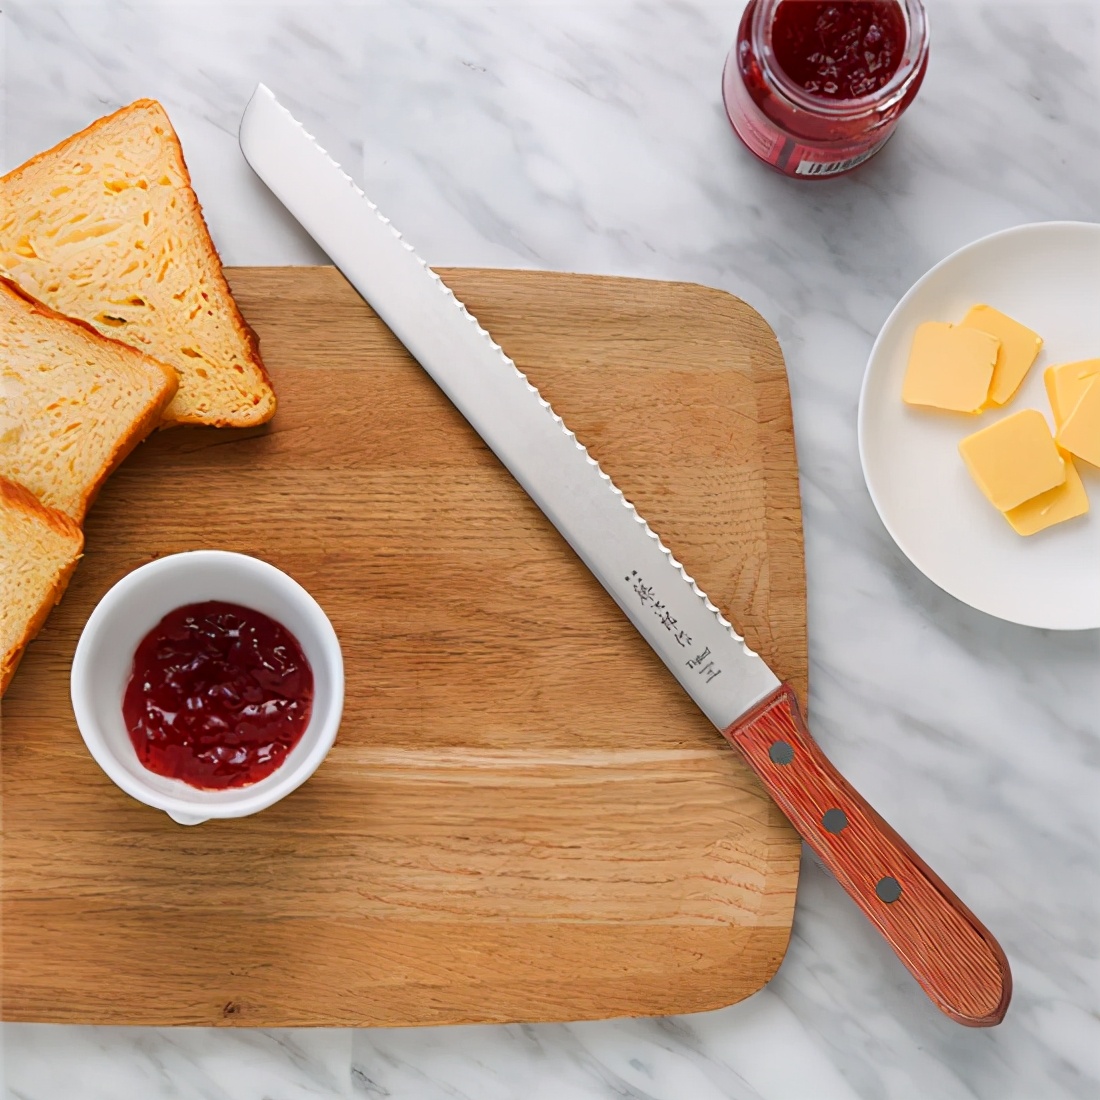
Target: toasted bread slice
[105, 227]
[39, 549]
[73, 404]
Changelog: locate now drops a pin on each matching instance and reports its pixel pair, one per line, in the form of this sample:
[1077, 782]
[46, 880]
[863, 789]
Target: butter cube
[1080, 434]
[1019, 347]
[1066, 383]
[950, 367]
[1014, 459]
[1056, 505]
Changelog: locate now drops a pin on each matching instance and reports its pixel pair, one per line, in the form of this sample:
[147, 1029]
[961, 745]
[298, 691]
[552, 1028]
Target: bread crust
[99, 123]
[206, 244]
[16, 496]
[143, 426]
[243, 329]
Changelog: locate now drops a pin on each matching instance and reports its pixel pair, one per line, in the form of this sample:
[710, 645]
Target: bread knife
[948, 951]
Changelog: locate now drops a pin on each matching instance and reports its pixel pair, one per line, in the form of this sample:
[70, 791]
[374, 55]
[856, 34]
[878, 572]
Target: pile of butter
[1024, 470]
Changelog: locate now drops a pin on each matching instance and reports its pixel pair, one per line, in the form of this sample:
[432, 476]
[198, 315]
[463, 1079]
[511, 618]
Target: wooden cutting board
[523, 817]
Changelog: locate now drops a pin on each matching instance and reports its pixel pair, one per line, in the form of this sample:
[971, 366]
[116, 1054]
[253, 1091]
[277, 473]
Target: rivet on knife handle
[944, 946]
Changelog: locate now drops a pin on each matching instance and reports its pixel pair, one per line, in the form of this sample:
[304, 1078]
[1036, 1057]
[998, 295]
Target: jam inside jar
[815, 88]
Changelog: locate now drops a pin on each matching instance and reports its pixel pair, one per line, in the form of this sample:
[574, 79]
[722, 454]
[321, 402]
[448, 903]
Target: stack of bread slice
[115, 317]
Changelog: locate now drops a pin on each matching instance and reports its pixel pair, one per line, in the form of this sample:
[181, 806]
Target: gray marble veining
[591, 137]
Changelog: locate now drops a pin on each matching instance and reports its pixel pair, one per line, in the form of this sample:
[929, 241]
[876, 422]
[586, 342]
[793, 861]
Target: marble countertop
[590, 136]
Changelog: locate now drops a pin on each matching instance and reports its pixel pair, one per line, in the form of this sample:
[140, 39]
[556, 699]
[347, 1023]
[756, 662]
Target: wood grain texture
[523, 817]
[944, 946]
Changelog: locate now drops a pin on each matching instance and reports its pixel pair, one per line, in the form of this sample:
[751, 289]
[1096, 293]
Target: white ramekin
[128, 611]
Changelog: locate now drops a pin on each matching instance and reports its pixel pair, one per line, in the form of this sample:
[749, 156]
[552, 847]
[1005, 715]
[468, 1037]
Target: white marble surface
[590, 137]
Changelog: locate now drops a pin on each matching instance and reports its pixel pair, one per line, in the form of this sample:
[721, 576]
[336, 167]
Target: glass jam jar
[815, 88]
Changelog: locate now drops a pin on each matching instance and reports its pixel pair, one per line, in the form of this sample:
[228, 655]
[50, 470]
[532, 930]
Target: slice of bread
[39, 549]
[105, 227]
[73, 404]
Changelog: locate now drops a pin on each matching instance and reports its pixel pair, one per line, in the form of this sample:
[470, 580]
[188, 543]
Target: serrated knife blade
[954, 958]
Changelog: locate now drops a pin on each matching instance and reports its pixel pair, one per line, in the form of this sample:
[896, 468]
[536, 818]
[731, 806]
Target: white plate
[1047, 276]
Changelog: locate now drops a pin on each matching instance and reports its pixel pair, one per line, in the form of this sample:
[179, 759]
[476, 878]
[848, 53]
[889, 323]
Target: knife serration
[686, 629]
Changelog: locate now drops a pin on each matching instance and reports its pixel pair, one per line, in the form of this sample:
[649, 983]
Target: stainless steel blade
[699, 646]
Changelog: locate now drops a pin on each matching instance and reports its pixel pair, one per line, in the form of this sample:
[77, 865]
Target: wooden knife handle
[944, 946]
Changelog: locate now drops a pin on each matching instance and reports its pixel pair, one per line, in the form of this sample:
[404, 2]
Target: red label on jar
[751, 126]
[766, 145]
[794, 158]
[808, 162]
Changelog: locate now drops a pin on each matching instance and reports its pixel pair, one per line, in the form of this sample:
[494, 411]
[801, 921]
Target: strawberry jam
[816, 87]
[218, 696]
[839, 50]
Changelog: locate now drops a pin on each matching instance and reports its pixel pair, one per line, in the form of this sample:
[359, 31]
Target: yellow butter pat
[1056, 505]
[1014, 459]
[1066, 383]
[1080, 434]
[1019, 347]
[950, 367]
